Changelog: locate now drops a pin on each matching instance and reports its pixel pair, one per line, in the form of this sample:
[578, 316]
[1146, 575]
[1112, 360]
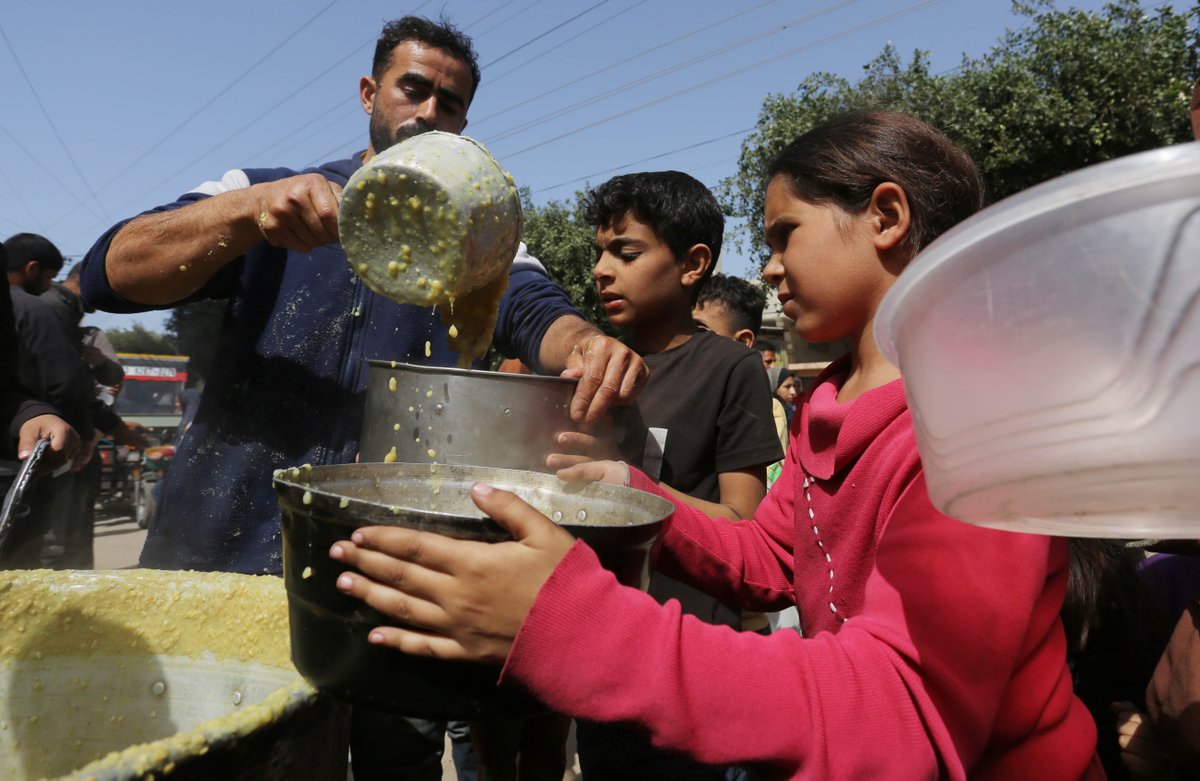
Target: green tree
[1068, 89]
[196, 327]
[557, 235]
[139, 339]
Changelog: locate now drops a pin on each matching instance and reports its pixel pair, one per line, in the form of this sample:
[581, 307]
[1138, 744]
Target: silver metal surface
[461, 416]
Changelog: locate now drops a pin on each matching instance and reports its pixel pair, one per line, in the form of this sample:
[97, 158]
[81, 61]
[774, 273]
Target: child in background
[933, 648]
[702, 425]
[732, 307]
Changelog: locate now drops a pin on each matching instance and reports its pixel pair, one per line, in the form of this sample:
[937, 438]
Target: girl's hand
[457, 599]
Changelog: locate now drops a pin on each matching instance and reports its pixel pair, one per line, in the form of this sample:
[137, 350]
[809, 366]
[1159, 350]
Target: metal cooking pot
[329, 630]
[462, 416]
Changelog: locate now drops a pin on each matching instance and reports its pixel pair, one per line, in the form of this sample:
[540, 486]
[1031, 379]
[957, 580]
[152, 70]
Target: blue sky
[113, 107]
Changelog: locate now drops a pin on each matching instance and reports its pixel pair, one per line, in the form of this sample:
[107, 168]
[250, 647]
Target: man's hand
[64, 442]
[609, 374]
[131, 434]
[457, 599]
[298, 213]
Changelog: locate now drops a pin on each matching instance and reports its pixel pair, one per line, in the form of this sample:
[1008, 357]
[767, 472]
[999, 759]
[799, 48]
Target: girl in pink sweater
[932, 648]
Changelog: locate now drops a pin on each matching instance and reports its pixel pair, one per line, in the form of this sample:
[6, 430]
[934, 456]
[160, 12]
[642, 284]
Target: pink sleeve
[747, 562]
[958, 621]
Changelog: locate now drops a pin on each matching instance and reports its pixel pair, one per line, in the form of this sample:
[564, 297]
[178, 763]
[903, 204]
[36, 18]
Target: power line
[78, 200]
[493, 79]
[509, 18]
[659, 156]
[495, 10]
[631, 58]
[704, 57]
[542, 35]
[186, 121]
[731, 74]
[50, 121]
[32, 218]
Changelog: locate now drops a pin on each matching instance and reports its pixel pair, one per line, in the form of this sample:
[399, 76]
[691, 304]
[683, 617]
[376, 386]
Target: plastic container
[142, 674]
[1050, 348]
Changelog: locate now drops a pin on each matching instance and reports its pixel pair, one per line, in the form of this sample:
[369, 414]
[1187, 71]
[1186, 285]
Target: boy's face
[637, 276]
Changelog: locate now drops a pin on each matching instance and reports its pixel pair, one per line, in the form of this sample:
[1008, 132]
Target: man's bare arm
[162, 258]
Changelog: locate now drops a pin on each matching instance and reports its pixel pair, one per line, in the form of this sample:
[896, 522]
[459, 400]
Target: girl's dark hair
[842, 161]
[438, 35]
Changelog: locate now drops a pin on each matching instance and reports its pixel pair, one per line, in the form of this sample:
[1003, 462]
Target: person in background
[732, 307]
[783, 385]
[72, 530]
[50, 367]
[769, 353]
[702, 426]
[288, 379]
[933, 648]
[25, 418]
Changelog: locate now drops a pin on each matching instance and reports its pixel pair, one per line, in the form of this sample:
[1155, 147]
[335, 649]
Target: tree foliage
[195, 328]
[139, 339]
[1068, 89]
[557, 235]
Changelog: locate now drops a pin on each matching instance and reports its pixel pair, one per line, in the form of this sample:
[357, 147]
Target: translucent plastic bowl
[1050, 347]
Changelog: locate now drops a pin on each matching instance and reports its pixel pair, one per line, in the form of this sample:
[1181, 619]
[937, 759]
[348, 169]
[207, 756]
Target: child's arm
[741, 492]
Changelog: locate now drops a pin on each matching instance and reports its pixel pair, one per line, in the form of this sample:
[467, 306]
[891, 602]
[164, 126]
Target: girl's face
[824, 263]
[787, 390]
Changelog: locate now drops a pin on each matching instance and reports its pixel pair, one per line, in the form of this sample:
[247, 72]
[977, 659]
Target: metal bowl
[463, 416]
[322, 505]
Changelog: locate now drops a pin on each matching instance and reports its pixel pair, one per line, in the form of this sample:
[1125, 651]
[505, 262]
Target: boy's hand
[461, 600]
[577, 447]
[1140, 751]
[611, 472]
[609, 374]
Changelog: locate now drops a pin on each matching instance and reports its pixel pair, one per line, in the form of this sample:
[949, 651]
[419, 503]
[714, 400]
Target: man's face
[768, 358]
[422, 89]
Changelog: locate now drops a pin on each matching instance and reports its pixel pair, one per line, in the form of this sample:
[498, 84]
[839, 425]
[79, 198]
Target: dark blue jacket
[288, 383]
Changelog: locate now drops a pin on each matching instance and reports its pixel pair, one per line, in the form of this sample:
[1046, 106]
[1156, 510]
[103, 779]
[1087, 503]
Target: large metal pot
[329, 629]
[145, 674]
[462, 416]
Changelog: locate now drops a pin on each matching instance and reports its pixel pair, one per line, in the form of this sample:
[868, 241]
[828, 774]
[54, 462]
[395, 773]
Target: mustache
[414, 128]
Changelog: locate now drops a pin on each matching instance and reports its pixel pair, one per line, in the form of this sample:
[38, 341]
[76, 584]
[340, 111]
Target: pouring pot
[463, 416]
[329, 629]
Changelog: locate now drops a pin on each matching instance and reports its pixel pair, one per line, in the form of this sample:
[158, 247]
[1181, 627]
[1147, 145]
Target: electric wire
[220, 93]
[708, 82]
[659, 156]
[79, 201]
[543, 34]
[508, 18]
[49, 120]
[493, 79]
[657, 48]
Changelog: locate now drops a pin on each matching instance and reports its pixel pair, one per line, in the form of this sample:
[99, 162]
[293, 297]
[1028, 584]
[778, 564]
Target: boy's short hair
[24, 247]
[677, 207]
[743, 300]
[763, 347]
